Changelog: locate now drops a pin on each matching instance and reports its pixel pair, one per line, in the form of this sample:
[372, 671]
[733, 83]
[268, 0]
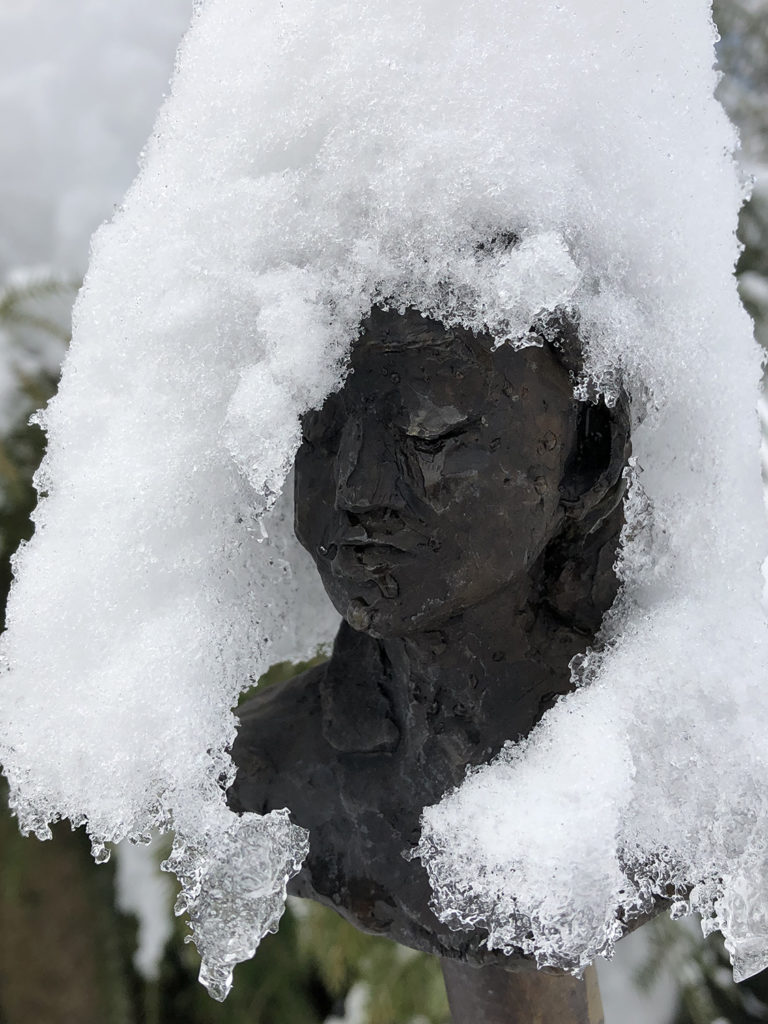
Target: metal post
[492, 995]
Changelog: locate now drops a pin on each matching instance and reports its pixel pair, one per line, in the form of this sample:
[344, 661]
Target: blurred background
[80, 83]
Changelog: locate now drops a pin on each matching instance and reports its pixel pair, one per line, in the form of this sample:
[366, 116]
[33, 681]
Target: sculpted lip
[378, 529]
[404, 538]
[368, 542]
[381, 544]
[353, 552]
[370, 565]
[367, 560]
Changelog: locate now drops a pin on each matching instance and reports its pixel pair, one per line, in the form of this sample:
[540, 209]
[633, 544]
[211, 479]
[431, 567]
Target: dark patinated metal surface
[488, 995]
[463, 511]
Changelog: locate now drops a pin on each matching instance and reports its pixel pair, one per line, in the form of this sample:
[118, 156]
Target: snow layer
[316, 158]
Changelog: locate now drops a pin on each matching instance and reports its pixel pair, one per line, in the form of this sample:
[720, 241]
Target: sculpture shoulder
[279, 730]
[280, 702]
[346, 697]
[293, 735]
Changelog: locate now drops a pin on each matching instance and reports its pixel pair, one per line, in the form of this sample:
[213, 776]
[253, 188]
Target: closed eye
[432, 445]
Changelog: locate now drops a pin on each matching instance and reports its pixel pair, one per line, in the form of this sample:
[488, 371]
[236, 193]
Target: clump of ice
[487, 163]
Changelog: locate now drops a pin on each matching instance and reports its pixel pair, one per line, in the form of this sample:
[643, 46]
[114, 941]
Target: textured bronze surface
[488, 995]
[463, 511]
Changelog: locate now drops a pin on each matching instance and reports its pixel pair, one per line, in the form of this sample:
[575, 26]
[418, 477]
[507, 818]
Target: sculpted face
[431, 480]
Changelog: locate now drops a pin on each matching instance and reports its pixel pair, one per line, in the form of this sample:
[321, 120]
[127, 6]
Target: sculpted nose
[367, 468]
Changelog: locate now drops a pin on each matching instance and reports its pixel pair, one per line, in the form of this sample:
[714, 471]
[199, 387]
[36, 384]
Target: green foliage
[34, 323]
[35, 304]
[401, 985]
[62, 944]
[279, 984]
[707, 993]
[280, 672]
[303, 974]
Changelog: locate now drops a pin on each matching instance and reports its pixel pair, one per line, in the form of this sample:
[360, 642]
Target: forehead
[441, 372]
[457, 372]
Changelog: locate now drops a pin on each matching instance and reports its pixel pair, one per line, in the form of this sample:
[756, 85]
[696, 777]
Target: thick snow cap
[317, 157]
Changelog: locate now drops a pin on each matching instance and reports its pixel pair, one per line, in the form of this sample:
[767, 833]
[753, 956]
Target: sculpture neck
[485, 676]
[451, 695]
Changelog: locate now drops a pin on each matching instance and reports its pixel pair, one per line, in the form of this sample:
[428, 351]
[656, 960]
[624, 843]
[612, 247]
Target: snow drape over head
[488, 164]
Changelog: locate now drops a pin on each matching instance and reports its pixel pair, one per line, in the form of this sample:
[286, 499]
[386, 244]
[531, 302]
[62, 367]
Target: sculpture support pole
[491, 995]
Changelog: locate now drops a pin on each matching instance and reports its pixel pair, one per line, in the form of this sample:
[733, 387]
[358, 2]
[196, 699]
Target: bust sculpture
[463, 511]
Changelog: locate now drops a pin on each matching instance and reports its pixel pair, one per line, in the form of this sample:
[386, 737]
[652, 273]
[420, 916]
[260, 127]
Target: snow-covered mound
[316, 158]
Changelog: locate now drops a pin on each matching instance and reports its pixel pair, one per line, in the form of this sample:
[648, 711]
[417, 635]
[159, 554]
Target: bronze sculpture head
[463, 510]
[443, 469]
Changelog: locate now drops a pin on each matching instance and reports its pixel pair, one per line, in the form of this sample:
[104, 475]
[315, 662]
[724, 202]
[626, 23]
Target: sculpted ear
[592, 483]
[575, 578]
